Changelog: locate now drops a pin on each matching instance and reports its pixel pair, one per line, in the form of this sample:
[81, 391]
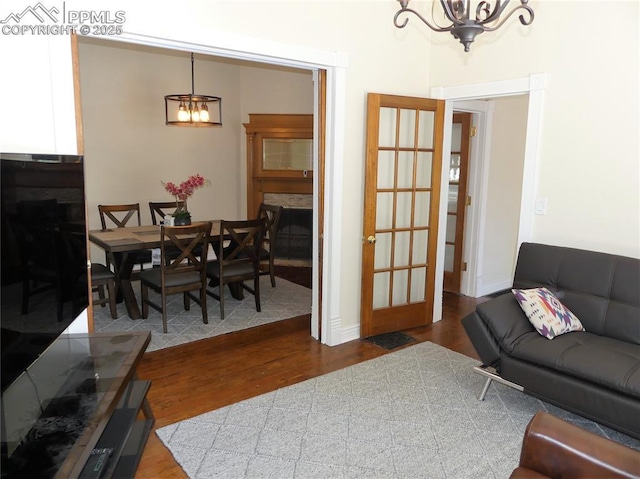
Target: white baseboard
[339, 335]
[350, 333]
[486, 289]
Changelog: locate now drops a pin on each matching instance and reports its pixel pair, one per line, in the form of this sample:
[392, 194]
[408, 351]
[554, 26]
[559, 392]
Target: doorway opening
[329, 83]
[474, 98]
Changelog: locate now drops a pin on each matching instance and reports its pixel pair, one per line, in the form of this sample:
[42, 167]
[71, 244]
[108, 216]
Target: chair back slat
[121, 219]
[185, 240]
[271, 214]
[239, 261]
[184, 272]
[244, 235]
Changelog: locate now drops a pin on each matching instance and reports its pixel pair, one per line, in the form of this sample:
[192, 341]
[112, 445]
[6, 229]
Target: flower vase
[181, 215]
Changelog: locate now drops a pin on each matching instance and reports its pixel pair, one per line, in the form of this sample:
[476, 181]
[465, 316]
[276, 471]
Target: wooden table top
[135, 237]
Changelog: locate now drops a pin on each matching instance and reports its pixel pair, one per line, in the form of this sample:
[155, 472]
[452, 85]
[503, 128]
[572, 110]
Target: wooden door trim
[77, 97]
[423, 310]
[452, 278]
[370, 183]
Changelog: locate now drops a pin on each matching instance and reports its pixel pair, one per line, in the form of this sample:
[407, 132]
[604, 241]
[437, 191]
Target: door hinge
[467, 201]
[464, 266]
[474, 131]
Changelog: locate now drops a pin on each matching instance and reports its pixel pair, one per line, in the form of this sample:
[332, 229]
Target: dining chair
[181, 274]
[271, 214]
[101, 278]
[120, 216]
[160, 209]
[238, 262]
[46, 258]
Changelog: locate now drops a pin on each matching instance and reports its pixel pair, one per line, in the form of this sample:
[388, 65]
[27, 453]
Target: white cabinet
[36, 95]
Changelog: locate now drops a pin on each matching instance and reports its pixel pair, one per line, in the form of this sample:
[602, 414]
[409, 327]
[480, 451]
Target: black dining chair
[238, 262]
[101, 278]
[271, 215]
[160, 209]
[120, 216]
[183, 273]
[48, 258]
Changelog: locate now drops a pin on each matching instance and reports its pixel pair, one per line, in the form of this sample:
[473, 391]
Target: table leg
[236, 291]
[234, 288]
[124, 288]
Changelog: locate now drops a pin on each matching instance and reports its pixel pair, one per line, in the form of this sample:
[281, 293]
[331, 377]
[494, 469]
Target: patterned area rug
[413, 413]
[286, 300]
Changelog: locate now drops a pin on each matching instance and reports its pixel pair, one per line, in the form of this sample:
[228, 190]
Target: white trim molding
[335, 64]
[533, 86]
[475, 218]
[332, 228]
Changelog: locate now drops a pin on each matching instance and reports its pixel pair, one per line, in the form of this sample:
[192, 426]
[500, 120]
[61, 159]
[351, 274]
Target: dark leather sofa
[553, 448]
[594, 373]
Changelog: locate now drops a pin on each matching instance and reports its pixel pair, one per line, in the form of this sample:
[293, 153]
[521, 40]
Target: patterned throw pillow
[546, 313]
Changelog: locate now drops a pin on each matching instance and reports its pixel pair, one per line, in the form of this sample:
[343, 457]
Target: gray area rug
[286, 300]
[413, 413]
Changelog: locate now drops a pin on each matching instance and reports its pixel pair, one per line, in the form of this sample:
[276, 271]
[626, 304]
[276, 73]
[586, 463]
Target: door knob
[371, 239]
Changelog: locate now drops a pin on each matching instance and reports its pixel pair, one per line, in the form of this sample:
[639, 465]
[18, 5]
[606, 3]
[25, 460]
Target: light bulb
[195, 113]
[204, 112]
[183, 114]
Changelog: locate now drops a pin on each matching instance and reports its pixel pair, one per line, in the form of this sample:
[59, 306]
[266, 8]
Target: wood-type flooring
[197, 377]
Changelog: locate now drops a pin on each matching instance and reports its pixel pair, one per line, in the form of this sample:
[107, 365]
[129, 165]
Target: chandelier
[463, 27]
[189, 109]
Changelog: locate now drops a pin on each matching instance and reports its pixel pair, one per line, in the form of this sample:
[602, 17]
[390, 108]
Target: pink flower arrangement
[185, 189]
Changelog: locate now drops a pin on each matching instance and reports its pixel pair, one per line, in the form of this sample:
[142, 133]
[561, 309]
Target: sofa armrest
[555, 448]
[481, 338]
[507, 322]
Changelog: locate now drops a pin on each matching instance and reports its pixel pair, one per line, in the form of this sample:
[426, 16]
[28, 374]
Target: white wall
[589, 166]
[36, 95]
[129, 150]
[503, 192]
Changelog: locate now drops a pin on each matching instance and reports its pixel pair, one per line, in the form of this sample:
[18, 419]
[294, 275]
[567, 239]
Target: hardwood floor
[194, 378]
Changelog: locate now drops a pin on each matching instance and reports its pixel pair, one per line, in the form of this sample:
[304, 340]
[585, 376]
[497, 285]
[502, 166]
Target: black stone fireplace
[294, 238]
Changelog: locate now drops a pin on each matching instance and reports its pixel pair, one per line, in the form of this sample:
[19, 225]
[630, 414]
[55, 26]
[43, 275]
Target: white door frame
[477, 185]
[533, 86]
[335, 64]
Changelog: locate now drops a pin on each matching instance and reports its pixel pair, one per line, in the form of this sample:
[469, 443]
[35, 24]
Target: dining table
[119, 242]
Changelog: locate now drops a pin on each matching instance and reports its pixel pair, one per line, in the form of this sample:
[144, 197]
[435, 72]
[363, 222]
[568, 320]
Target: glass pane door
[405, 154]
[404, 137]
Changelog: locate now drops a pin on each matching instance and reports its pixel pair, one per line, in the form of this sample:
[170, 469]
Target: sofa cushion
[599, 288]
[546, 313]
[598, 359]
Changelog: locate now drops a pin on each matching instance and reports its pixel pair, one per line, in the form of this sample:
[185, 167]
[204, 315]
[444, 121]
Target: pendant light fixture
[189, 109]
[465, 26]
